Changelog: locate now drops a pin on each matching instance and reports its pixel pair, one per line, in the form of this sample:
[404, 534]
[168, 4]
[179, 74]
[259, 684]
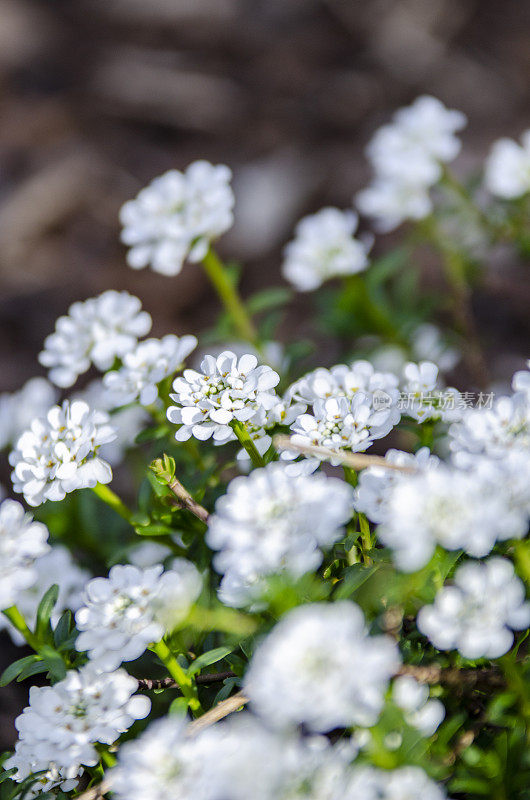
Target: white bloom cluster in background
[227, 389]
[132, 608]
[19, 409]
[406, 157]
[62, 724]
[319, 667]
[508, 168]
[22, 542]
[95, 332]
[59, 453]
[477, 614]
[239, 758]
[175, 218]
[421, 711]
[423, 395]
[54, 567]
[324, 247]
[145, 367]
[269, 523]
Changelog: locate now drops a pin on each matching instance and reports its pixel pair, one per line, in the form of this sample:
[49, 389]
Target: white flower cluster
[19, 409]
[420, 711]
[319, 667]
[424, 398]
[22, 543]
[508, 168]
[351, 406]
[132, 608]
[177, 216]
[406, 156]
[269, 523]
[226, 390]
[145, 367]
[477, 613]
[58, 454]
[59, 729]
[324, 247]
[56, 566]
[96, 331]
[239, 758]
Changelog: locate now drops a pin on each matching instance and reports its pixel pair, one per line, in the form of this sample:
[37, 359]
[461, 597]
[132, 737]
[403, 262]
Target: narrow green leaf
[211, 657]
[44, 612]
[14, 670]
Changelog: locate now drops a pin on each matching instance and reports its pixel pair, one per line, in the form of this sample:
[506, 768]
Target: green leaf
[37, 668]
[211, 657]
[62, 629]
[269, 298]
[44, 612]
[155, 529]
[179, 706]
[7, 774]
[54, 662]
[152, 434]
[14, 670]
[353, 579]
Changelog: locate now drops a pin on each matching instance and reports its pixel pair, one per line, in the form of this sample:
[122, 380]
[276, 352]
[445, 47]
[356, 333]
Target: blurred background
[99, 96]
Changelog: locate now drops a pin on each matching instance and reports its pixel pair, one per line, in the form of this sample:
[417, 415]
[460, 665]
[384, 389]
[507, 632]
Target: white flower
[492, 432]
[226, 389]
[319, 667]
[57, 566]
[63, 722]
[432, 127]
[324, 247]
[59, 453]
[507, 173]
[421, 712]
[127, 421]
[177, 216]
[50, 776]
[147, 554]
[391, 202]
[17, 410]
[406, 783]
[427, 345]
[422, 397]
[22, 541]
[521, 380]
[132, 608]
[375, 483]
[454, 508]
[145, 367]
[476, 614]
[270, 522]
[96, 331]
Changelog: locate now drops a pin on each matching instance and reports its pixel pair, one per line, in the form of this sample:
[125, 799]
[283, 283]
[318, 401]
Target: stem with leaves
[186, 684]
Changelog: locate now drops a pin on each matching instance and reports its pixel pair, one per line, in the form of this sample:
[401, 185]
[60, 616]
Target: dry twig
[354, 460]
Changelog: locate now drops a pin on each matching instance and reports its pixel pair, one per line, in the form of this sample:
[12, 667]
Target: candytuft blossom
[132, 608]
[59, 453]
[270, 522]
[324, 247]
[96, 331]
[22, 542]
[176, 216]
[319, 667]
[477, 614]
[227, 389]
[507, 173]
[145, 367]
[421, 711]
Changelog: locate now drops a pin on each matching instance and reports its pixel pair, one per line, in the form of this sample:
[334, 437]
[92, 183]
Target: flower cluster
[324, 247]
[407, 158]
[476, 615]
[319, 667]
[508, 168]
[421, 712]
[59, 729]
[132, 608]
[270, 523]
[96, 331]
[226, 390]
[59, 453]
[177, 216]
[144, 368]
[22, 542]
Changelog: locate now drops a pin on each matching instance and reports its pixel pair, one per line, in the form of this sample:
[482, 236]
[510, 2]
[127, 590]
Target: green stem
[226, 290]
[111, 499]
[108, 759]
[246, 441]
[186, 684]
[350, 476]
[366, 539]
[17, 620]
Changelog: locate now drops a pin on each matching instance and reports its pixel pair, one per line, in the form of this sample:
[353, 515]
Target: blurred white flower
[507, 173]
[59, 453]
[96, 331]
[22, 543]
[19, 409]
[423, 396]
[319, 667]
[405, 783]
[324, 247]
[421, 711]
[177, 216]
[144, 367]
[390, 202]
[521, 380]
[477, 614]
